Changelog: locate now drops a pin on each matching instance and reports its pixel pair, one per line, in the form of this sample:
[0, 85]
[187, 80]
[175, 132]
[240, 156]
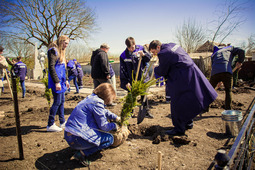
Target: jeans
[88, 148]
[73, 77]
[57, 107]
[22, 83]
[227, 80]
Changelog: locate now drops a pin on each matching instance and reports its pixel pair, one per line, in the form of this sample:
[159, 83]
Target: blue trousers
[78, 143]
[22, 83]
[73, 77]
[57, 107]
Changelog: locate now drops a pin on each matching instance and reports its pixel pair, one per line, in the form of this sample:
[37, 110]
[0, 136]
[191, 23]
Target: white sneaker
[54, 128]
[63, 125]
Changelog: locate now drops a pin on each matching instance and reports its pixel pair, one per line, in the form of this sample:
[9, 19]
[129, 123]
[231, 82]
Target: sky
[146, 20]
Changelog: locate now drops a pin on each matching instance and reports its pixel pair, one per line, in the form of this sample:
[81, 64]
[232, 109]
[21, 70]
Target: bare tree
[250, 46]
[229, 19]
[190, 35]
[15, 49]
[45, 20]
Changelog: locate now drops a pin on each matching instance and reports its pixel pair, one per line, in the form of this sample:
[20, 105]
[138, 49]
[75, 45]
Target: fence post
[16, 109]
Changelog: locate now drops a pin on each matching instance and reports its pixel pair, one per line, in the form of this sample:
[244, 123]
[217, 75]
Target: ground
[45, 150]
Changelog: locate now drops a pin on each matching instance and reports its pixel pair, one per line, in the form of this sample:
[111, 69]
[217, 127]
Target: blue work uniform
[190, 91]
[20, 69]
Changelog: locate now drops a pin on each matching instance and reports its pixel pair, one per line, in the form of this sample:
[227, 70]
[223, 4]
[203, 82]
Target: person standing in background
[100, 70]
[80, 73]
[222, 71]
[57, 81]
[20, 69]
[72, 75]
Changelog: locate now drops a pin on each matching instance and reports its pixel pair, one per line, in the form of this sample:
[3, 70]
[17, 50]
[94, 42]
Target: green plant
[47, 92]
[138, 88]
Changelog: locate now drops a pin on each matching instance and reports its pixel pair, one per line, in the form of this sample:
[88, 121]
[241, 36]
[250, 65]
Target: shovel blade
[141, 114]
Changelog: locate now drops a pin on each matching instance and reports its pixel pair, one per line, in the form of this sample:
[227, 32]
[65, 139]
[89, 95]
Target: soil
[45, 150]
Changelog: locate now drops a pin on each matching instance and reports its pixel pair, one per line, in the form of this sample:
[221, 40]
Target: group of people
[19, 68]
[87, 128]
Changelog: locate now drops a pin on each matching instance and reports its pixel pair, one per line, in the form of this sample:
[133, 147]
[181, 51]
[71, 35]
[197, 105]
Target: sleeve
[16, 69]
[241, 54]
[100, 115]
[163, 68]
[104, 63]
[123, 74]
[110, 115]
[51, 63]
[3, 63]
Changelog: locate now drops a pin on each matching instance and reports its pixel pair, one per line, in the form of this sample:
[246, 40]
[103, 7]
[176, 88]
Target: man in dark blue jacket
[72, 75]
[79, 72]
[129, 60]
[20, 69]
[222, 71]
[190, 91]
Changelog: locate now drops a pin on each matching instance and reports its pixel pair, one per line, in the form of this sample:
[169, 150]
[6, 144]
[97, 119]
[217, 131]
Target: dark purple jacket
[20, 69]
[71, 68]
[129, 63]
[189, 89]
[79, 70]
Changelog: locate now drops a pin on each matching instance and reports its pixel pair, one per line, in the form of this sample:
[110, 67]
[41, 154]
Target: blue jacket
[20, 69]
[79, 70]
[222, 59]
[57, 71]
[71, 68]
[89, 116]
[189, 89]
[129, 63]
[112, 73]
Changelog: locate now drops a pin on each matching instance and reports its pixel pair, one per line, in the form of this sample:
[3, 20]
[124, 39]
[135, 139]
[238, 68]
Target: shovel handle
[138, 68]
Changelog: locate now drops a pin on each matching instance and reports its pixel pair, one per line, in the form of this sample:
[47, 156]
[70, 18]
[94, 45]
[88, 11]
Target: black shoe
[76, 93]
[82, 159]
[149, 115]
[188, 127]
[174, 133]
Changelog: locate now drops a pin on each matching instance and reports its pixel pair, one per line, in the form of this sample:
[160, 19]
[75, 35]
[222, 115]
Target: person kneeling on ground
[86, 128]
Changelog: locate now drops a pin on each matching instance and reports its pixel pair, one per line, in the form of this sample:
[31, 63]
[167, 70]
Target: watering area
[232, 120]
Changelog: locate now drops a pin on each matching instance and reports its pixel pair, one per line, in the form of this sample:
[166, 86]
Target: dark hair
[154, 44]
[19, 58]
[106, 92]
[1, 48]
[130, 41]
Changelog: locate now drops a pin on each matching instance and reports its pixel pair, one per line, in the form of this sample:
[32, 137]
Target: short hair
[130, 41]
[106, 92]
[154, 44]
[104, 45]
[19, 58]
[1, 48]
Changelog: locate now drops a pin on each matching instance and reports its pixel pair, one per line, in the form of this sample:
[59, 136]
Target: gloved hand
[117, 119]
[117, 127]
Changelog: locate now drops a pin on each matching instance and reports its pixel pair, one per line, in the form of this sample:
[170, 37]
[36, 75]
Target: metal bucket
[232, 121]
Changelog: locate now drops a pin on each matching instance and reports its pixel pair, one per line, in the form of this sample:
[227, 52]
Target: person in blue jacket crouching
[87, 127]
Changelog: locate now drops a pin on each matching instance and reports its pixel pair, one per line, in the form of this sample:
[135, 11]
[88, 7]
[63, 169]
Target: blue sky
[146, 20]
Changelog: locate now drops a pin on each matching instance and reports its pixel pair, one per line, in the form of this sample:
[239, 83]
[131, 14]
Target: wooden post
[159, 160]
[7, 78]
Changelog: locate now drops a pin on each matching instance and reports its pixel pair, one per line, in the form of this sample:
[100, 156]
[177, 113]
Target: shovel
[142, 109]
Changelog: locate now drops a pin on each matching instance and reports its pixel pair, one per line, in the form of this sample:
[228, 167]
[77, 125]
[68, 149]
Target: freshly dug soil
[44, 150]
